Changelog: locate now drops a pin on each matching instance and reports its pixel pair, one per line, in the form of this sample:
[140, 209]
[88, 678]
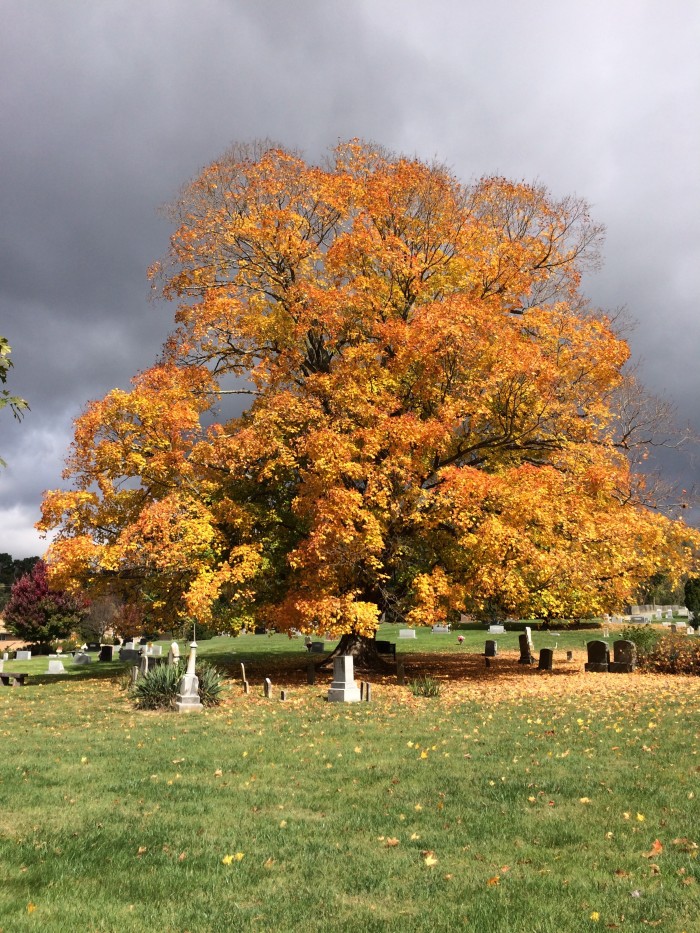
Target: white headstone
[528, 632]
[407, 633]
[344, 689]
[188, 698]
[496, 629]
[23, 655]
[56, 667]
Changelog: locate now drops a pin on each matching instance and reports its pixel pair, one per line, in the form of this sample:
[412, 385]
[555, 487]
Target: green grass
[540, 807]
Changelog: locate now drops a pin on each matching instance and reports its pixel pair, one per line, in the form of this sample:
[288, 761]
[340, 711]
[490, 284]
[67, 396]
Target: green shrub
[160, 686]
[425, 687]
[673, 654]
[644, 637]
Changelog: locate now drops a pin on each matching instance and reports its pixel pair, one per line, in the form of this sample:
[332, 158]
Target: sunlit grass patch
[523, 802]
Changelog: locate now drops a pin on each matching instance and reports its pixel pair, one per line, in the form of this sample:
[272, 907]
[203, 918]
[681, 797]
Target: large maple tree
[433, 423]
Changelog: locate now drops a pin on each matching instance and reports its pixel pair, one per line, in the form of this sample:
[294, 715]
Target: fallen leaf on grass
[685, 845]
[218, 772]
[142, 850]
[429, 857]
[656, 849]
[392, 842]
[269, 863]
[655, 870]
[492, 882]
[31, 908]
[182, 856]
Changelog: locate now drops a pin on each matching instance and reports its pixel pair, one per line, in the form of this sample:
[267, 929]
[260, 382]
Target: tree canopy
[434, 424]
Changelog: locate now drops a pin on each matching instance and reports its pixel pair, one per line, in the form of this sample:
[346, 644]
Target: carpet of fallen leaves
[466, 678]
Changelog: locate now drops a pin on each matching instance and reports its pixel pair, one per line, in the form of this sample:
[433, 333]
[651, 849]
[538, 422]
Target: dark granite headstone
[107, 653]
[545, 662]
[625, 657]
[491, 649]
[598, 657]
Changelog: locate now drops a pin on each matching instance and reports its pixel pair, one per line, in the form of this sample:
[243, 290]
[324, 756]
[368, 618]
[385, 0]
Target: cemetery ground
[517, 800]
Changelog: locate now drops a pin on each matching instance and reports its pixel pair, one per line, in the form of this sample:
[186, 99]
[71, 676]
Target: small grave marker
[545, 662]
[407, 633]
[400, 673]
[311, 673]
[267, 689]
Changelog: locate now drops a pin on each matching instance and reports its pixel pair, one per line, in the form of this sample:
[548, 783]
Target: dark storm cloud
[108, 108]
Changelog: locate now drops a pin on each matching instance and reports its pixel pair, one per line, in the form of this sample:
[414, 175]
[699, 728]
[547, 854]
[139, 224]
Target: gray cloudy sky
[108, 107]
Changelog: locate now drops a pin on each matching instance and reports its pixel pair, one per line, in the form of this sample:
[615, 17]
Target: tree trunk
[363, 649]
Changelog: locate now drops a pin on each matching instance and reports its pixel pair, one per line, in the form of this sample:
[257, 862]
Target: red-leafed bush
[40, 615]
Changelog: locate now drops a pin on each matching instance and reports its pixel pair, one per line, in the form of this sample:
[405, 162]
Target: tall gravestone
[188, 697]
[525, 650]
[344, 689]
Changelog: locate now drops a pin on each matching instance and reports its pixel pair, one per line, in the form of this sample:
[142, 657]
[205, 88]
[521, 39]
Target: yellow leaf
[595, 916]
[226, 860]
[429, 859]
[640, 817]
[31, 908]
[494, 881]
[238, 856]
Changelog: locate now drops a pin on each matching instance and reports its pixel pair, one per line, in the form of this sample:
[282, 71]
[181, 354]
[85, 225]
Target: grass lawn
[516, 801]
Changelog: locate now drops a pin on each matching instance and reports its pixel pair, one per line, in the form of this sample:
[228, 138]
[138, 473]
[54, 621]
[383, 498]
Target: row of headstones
[624, 655]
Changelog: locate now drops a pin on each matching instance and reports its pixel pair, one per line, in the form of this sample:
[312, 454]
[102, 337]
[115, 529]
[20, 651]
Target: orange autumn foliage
[433, 424]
